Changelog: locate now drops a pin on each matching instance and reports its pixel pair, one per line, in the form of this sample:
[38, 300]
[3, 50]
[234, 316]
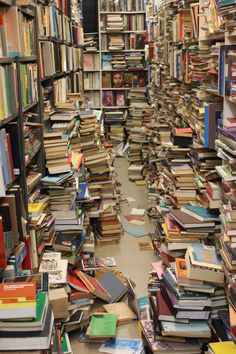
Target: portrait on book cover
[107, 99]
[120, 99]
[118, 79]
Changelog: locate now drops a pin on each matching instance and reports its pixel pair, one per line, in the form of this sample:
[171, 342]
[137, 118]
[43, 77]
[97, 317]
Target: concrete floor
[130, 261]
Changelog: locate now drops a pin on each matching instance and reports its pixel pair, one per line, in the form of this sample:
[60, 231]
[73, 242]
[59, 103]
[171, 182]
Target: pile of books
[134, 61]
[114, 23]
[26, 317]
[135, 172]
[90, 42]
[116, 43]
[118, 62]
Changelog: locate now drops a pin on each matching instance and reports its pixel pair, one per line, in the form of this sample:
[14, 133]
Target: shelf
[29, 106]
[123, 51]
[27, 59]
[115, 107]
[26, 11]
[8, 119]
[123, 70]
[91, 71]
[120, 88]
[6, 3]
[7, 60]
[120, 32]
[33, 156]
[92, 89]
[122, 12]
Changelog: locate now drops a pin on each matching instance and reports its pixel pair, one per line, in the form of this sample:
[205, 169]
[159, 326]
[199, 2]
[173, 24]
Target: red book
[164, 313]
[3, 259]
[76, 283]
[94, 286]
[26, 264]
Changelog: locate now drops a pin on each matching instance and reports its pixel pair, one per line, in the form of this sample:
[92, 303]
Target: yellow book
[140, 183]
[223, 347]
[35, 207]
[19, 305]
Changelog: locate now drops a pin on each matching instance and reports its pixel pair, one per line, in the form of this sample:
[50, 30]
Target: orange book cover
[181, 269]
[17, 292]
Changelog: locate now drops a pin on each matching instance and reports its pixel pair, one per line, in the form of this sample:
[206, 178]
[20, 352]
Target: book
[94, 286]
[36, 324]
[113, 286]
[121, 309]
[30, 340]
[17, 300]
[102, 325]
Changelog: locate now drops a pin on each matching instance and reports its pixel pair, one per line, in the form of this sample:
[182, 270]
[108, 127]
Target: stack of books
[135, 172]
[118, 61]
[116, 43]
[114, 23]
[91, 42]
[134, 61]
[26, 318]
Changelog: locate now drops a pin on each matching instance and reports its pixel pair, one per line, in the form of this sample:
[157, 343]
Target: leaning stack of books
[188, 296]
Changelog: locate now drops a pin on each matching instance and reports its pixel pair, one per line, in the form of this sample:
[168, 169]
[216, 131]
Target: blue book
[201, 213]
[205, 254]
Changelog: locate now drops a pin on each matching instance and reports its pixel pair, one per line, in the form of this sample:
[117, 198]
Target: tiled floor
[132, 262]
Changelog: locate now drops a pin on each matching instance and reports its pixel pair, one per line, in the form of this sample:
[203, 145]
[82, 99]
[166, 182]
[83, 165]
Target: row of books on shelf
[129, 61]
[52, 23]
[119, 79]
[58, 58]
[126, 41]
[19, 38]
[119, 23]
[122, 5]
[90, 42]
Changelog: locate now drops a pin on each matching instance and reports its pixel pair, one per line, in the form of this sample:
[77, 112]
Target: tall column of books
[122, 40]
[191, 177]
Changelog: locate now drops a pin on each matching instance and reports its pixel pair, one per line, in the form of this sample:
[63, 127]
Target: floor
[130, 261]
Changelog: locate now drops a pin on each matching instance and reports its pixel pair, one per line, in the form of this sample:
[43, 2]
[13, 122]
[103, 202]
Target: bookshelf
[191, 53]
[122, 46]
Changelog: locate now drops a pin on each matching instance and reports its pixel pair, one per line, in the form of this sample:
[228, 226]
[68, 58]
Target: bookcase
[41, 54]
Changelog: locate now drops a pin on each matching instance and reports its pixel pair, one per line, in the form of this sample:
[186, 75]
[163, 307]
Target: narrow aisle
[130, 260]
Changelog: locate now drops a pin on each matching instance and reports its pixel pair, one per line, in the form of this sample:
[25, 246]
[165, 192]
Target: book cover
[120, 99]
[117, 79]
[51, 262]
[107, 99]
[94, 286]
[103, 325]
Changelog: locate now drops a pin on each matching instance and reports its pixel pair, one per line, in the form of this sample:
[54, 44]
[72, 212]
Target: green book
[103, 325]
[65, 345]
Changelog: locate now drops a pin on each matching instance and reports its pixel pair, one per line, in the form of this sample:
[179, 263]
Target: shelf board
[123, 51]
[92, 89]
[26, 11]
[121, 32]
[119, 88]
[33, 156]
[29, 106]
[91, 71]
[123, 70]
[122, 12]
[7, 60]
[115, 107]
[6, 3]
[8, 119]
[27, 59]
